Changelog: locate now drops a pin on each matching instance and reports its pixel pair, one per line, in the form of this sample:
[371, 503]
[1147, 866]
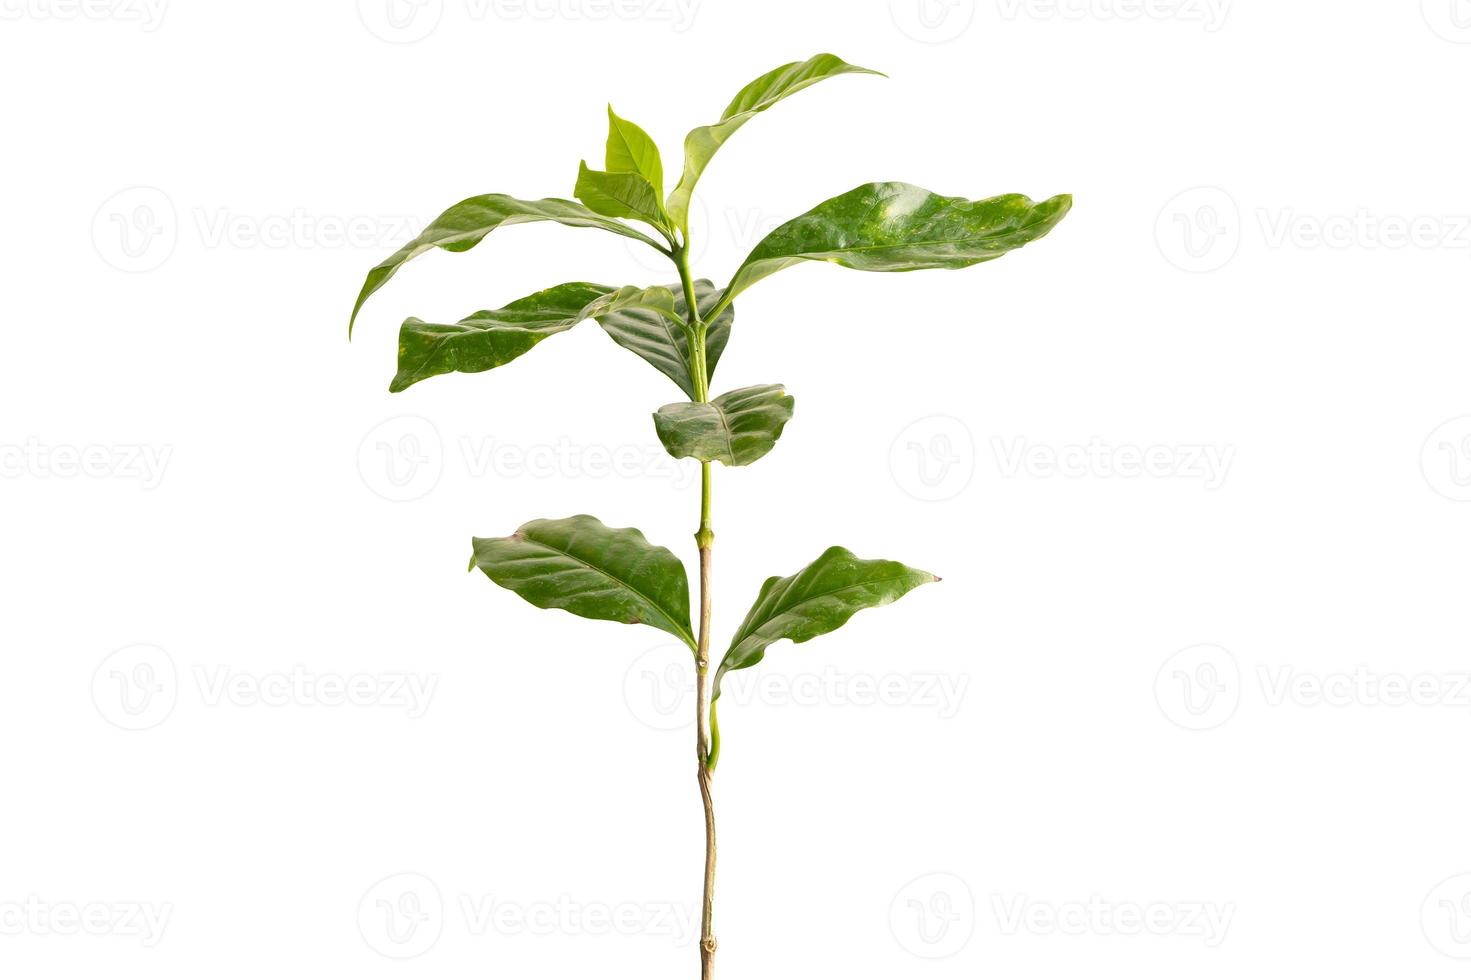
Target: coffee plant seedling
[600, 572]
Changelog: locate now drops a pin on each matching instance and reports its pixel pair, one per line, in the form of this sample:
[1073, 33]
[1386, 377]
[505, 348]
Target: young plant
[600, 572]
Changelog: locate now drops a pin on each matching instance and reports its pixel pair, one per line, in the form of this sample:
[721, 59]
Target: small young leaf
[736, 429]
[898, 228]
[620, 195]
[464, 225]
[816, 600]
[591, 570]
[630, 150]
[664, 343]
[763, 93]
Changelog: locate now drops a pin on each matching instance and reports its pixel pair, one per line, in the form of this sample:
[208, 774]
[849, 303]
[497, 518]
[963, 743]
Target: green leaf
[464, 225]
[665, 344]
[630, 150]
[737, 428]
[620, 195]
[591, 570]
[700, 145]
[491, 338]
[894, 227]
[816, 600]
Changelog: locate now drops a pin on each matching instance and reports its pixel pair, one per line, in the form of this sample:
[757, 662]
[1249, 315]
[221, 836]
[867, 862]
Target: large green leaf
[464, 225]
[700, 145]
[591, 570]
[816, 600]
[893, 227]
[619, 195]
[630, 150]
[491, 338]
[664, 344]
[737, 428]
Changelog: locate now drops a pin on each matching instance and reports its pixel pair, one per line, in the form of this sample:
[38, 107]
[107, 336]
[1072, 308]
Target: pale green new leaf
[463, 226]
[591, 570]
[664, 343]
[816, 600]
[892, 227]
[491, 338]
[737, 428]
[763, 93]
[620, 195]
[630, 150]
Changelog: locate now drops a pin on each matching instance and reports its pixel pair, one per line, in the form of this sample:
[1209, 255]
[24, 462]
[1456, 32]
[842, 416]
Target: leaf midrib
[684, 634]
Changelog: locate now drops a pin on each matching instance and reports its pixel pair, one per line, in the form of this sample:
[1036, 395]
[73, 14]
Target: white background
[215, 516]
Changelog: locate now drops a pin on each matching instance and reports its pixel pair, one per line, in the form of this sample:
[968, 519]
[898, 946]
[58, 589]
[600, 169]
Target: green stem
[707, 738]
